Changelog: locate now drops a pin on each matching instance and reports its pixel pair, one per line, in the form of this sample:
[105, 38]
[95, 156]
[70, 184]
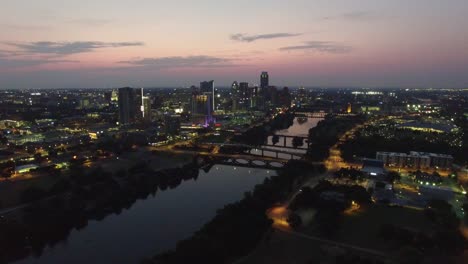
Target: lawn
[362, 227]
[10, 191]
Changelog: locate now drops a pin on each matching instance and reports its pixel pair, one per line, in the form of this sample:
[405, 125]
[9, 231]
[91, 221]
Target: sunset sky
[154, 43]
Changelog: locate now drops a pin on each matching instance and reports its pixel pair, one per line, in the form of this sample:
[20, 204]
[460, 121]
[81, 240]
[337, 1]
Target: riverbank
[238, 227]
[11, 190]
[81, 197]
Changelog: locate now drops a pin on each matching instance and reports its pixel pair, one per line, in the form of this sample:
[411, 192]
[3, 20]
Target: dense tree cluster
[349, 173]
[371, 139]
[327, 132]
[329, 208]
[70, 203]
[445, 239]
[238, 227]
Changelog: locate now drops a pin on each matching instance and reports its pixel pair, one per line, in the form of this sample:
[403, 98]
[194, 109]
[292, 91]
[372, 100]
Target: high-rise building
[284, 97]
[208, 87]
[264, 80]
[128, 105]
[244, 96]
[202, 109]
[253, 92]
[235, 96]
[272, 95]
[201, 104]
[146, 109]
[172, 124]
[234, 88]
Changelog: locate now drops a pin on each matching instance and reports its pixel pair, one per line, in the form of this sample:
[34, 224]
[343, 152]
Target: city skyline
[333, 44]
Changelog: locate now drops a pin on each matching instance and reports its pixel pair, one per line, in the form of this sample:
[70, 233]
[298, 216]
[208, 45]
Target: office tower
[273, 95]
[207, 87]
[127, 105]
[172, 124]
[202, 104]
[146, 109]
[234, 88]
[253, 92]
[264, 80]
[244, 95]
[235, 96]
[202, 109]
[195, 90]
[284, 97]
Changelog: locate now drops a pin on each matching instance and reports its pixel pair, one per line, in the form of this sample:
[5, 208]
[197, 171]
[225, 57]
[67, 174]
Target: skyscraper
[146, 109]
[264, 80]
[234, 88]
[235, 96]
[284, 97]
[253, 93]
[208, 87]
[244, 95]
[127, 105]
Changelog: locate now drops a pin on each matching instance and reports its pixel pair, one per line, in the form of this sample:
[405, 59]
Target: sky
[177, 43]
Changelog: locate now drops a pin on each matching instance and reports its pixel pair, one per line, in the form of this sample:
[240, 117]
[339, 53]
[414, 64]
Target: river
[299, 128]
[155, 224]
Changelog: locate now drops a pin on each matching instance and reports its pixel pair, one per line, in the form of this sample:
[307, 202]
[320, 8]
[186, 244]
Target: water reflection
[300, 127]
[156, 223]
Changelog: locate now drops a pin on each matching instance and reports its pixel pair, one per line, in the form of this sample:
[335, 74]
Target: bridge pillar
[262, 153]
[284, 141]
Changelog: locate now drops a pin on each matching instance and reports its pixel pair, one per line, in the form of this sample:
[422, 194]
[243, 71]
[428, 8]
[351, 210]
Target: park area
[361, 228]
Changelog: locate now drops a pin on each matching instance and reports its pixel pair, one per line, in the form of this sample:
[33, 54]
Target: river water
[155, 224]
[299, 128]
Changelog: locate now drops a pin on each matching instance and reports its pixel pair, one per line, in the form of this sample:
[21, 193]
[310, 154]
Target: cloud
[20, 63]
[357, 16]
[67, 48]
[181, 62]
[24, 27]
[320, 46]
[89, 22]
[250, 38]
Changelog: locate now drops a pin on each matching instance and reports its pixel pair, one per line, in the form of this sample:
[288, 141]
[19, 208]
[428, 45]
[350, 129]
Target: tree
[294, 220]
[275, 139]
[297, 142]
[32, 194]
[7, 169]
[393, 176]
[38, 157]
[3, 140]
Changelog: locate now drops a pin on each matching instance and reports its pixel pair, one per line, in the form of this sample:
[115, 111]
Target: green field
[362, 228]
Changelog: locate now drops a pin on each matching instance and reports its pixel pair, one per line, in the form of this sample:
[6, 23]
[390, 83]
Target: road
[280, 213]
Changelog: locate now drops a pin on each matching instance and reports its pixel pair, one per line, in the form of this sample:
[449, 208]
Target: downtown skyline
[179, 43]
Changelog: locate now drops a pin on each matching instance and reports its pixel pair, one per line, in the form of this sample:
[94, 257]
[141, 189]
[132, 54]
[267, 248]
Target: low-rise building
[373, 168]
[417, 160]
